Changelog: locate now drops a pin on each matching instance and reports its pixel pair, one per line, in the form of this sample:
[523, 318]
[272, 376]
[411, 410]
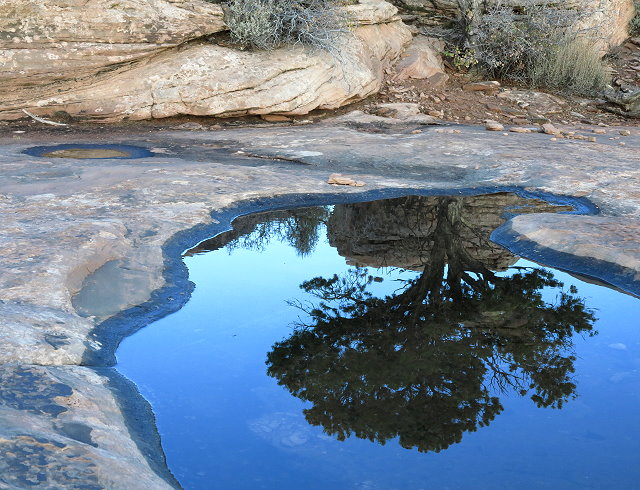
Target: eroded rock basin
[415, 354]
[66, 218]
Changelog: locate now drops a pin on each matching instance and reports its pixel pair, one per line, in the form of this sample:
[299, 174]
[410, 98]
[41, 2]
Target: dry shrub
[539, 45]
[574, 66]
[268, 24]
[634, 25]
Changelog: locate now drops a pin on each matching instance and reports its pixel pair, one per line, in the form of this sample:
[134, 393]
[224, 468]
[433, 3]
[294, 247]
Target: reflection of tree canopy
[299, 228]
[426, 363]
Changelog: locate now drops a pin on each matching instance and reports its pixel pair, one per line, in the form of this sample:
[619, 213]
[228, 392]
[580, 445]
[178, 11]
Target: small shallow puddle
[416, 354]
[87, 151]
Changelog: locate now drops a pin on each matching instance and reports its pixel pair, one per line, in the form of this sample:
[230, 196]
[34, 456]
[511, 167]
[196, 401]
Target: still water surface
[462, 366]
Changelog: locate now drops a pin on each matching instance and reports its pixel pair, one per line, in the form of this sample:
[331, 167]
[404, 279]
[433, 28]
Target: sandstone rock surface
[51, 41]
[423, 60]
[490, 125]
[609, 18]
[164, 70]
[533, 101]
[488, 86]
[62, 427]
[387, 115]
[587, 234]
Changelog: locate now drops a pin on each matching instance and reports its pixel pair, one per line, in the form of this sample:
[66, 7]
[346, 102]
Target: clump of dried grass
[573, 66]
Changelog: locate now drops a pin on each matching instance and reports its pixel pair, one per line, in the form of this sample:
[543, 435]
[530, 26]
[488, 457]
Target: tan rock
[490, 86]
[47, 41]
[423, 60]
[493, 126]
[422, 119]
[198, 78]
[339, 179]
[550, 129]
[275, 118]
[609, 19]
[359, 118]
[517, 129]
[397, 110]
[369, 12]
[535, 102]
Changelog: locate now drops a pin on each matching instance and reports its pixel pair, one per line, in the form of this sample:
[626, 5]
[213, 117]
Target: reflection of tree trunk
[447, 253]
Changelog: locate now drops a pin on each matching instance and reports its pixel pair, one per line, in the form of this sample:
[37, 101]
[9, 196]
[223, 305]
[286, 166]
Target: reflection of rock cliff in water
[395, 232]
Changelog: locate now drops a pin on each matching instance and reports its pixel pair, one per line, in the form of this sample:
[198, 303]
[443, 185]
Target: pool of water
[395, 365]
[88, 151]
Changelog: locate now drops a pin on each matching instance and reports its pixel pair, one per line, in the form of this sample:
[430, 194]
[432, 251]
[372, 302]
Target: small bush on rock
[539, 45]
[268, 24]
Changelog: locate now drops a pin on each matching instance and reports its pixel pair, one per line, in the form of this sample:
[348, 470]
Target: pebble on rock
[275, 118]
[489, 86]
[549, 128]
[493, 126]
[339, 179]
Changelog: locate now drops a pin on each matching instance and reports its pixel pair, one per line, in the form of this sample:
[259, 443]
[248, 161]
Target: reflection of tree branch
[419, 363]
[503, 379]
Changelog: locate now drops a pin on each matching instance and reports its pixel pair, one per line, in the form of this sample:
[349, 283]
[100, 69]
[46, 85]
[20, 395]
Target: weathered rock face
[608, 18]
[54, 41]
[149, 70]
[423, 60]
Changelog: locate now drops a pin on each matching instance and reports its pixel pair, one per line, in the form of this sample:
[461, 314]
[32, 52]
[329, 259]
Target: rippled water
[396, 365]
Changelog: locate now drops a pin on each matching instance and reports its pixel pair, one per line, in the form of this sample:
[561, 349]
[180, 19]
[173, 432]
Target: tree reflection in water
[428, 363]
[300, 228]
